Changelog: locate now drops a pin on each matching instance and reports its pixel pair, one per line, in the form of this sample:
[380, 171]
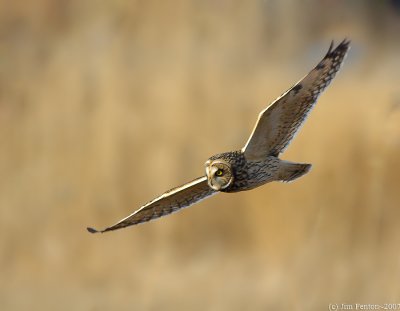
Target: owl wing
[169, 202]
[277, 124]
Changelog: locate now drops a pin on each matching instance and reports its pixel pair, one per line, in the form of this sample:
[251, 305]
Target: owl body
[247, 174]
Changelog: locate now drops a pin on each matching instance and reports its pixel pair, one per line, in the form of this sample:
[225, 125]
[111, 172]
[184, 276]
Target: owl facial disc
[219, 174]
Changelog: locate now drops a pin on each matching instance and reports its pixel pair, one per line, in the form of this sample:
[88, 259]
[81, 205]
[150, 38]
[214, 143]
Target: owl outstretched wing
[277, 124]
[169, 202]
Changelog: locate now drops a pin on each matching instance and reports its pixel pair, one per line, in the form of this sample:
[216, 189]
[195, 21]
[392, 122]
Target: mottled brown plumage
[257, 163]
[278, 123]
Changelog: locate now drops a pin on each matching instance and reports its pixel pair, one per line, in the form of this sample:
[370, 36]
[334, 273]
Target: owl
[258, 162]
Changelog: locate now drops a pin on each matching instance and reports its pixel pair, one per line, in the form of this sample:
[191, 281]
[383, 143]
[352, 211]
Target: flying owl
[257, 163]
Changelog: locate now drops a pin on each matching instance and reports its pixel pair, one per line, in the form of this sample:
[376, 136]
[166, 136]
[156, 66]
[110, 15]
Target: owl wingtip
[331, 47]
[92, 230]
[344, 45]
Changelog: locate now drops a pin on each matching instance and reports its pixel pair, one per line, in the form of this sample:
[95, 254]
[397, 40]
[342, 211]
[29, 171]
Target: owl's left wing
[169, 202]
[277, 124]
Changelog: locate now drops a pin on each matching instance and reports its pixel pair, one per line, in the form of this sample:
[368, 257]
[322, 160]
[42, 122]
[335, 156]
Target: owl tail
[289, 171]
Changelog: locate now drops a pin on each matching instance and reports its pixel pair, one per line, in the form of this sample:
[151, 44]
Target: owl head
[219, 174]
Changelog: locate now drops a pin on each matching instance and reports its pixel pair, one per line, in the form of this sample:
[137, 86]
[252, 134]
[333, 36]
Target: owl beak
[214, 186]
[217, 187]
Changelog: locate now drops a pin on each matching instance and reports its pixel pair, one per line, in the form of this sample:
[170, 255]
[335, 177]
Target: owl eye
[219, 173]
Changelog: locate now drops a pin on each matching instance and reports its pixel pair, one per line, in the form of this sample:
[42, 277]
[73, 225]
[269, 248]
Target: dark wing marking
[277, 125]
[169, 202]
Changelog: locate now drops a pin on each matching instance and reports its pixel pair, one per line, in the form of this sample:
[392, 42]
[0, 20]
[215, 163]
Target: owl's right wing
[169, 202]
[277, 124]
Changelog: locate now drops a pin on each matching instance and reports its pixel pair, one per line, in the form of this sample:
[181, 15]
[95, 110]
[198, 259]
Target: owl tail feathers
[289, 171]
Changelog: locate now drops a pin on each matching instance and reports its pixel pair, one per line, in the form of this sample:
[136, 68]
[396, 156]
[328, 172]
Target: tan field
[105, 105]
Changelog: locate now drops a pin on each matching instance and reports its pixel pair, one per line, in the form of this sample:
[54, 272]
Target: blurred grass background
[106, 104]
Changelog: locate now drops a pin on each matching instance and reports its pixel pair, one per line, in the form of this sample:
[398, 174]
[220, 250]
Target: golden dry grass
[104, 105]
